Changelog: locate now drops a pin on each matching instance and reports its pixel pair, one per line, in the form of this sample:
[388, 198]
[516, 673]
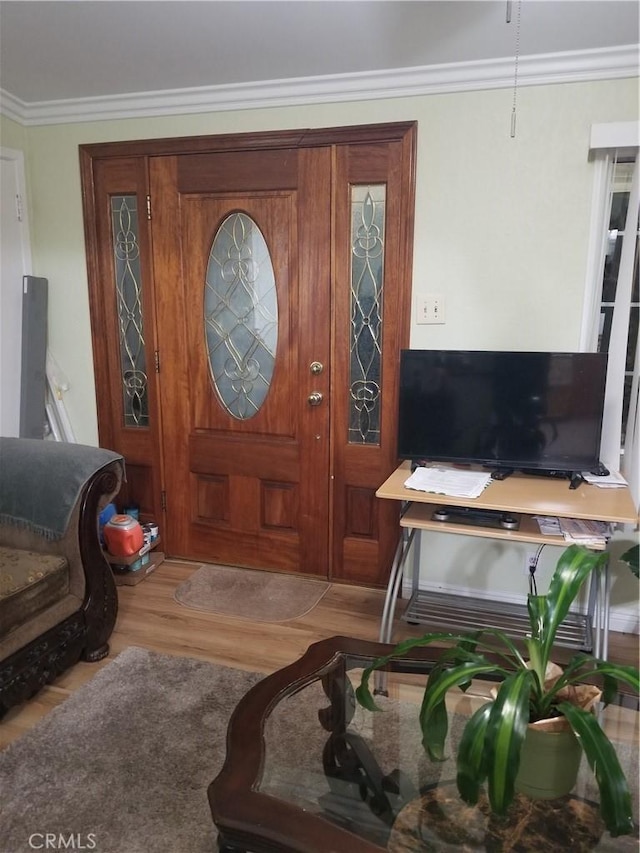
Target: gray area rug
[124, 764]
[250, 594]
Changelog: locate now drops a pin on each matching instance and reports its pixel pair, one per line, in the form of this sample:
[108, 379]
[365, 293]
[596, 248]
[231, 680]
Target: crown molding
[566, 67]
[12, 107]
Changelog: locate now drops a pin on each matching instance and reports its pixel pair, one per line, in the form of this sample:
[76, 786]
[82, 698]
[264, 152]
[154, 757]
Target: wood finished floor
[150, 617]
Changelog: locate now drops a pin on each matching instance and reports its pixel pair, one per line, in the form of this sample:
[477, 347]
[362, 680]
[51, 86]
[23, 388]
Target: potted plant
[529, 691]
[630, 557]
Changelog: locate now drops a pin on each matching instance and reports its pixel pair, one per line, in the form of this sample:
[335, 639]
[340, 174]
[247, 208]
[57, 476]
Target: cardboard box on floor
[131, 578]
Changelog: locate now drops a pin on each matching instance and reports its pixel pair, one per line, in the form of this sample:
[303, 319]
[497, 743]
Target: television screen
[522, 410]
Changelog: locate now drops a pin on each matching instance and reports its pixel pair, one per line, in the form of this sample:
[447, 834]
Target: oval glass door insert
[241, 316]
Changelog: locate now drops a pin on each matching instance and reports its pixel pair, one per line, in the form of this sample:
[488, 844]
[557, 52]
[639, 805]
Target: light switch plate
[430, 308]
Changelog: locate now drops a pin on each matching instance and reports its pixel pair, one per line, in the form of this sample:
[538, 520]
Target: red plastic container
[123, 536]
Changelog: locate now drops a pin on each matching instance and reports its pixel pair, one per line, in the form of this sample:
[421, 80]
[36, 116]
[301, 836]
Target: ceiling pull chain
[517, 58]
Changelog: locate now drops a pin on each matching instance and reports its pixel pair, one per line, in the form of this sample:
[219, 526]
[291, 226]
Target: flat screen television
[531, 411]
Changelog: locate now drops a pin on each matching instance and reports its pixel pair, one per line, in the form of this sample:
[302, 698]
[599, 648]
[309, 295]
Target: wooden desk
[520, 494]
[526, 494]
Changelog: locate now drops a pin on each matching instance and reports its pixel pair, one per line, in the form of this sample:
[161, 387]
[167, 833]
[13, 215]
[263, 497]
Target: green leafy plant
[630, 557]
[490, 746]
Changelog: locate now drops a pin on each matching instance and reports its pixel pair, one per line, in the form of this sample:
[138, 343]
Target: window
[617, 234]
[613, 307]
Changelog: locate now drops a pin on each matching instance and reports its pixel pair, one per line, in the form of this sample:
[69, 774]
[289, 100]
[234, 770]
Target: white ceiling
[51, 51]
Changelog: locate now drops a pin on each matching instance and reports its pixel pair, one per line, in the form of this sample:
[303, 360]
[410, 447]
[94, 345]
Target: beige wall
[502, 227]
[12, 135]
[501, 223]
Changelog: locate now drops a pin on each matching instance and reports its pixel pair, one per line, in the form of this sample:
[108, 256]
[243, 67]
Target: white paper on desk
[449, 481]
[613, 480]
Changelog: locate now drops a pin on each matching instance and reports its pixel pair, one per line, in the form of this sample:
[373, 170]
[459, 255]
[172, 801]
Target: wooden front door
[244, 321]
[276, 286]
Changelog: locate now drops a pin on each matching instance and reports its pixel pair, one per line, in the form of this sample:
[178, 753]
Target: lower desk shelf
[420, 517]
[454, 613]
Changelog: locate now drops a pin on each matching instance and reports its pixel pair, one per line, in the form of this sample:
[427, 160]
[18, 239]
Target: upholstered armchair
[58, 600]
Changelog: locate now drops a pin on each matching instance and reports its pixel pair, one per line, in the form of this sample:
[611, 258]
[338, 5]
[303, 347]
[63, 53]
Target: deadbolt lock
[316, 367]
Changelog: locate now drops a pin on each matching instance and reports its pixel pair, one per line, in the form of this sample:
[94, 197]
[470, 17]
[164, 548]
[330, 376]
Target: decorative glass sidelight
[241, 316]
[367, 281]
[128, 280]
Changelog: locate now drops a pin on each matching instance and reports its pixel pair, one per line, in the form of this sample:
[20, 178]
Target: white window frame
[608, 142]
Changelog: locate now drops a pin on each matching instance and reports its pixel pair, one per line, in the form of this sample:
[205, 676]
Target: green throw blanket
[41, 481]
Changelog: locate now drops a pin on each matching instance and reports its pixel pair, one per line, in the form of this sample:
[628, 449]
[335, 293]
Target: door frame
[147, 449]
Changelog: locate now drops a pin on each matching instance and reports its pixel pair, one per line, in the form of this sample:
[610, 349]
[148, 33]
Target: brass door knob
[315, 398]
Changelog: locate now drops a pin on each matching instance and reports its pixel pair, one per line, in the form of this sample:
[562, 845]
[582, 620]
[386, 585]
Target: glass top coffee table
[308, 769]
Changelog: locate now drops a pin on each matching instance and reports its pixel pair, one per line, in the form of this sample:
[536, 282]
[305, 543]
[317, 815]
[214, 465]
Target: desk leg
[395, 578]
[415, 579]
[599, 610]
[603, 607]
[388, 611]
[606, 610]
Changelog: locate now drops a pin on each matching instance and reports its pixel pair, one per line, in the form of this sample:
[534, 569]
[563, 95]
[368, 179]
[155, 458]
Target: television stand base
[502, 473]
[477, 517]
[576, 481]
[575, 477]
